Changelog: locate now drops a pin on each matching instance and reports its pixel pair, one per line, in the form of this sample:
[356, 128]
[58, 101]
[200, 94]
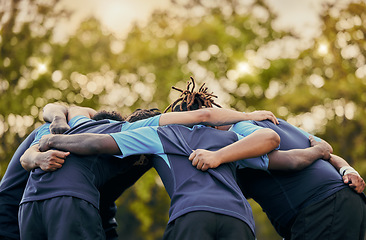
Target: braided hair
[191, 100]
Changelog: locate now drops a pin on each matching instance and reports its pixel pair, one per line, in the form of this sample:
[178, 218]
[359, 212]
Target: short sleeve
[42, 130]
[152, 121]
[78, 120]
[143, 140]
[244, 129]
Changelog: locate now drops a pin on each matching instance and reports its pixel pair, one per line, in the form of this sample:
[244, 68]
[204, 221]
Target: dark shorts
[60, 218]
[207, 226]
[341, 216]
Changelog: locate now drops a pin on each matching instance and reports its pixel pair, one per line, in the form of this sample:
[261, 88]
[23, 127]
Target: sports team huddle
[64, 178]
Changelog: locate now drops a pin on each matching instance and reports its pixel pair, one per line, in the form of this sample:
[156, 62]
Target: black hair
[113, 115]
[140, 114]
[191, 100]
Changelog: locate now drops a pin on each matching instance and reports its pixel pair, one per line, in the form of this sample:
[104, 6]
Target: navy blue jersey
[190, 189]
[11, 190]
[282, 194]
[81, 176]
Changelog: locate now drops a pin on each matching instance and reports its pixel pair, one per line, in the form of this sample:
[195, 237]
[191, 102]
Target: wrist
[220, 158]
[50, 142]
[60, 117]
[37, 161]
[348, 169]
[246, 116]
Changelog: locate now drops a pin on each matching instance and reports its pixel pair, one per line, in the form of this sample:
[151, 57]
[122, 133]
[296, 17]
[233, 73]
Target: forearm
[29, 159]
[341, 165]
[218, 117]
[213, 117]
[256, 144]
[83, 144]
[338, 162]
[349, 175]
[54, 111]
[294, 159]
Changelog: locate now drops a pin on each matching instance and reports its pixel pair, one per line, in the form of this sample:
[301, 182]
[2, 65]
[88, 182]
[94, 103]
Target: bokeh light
[323, 49]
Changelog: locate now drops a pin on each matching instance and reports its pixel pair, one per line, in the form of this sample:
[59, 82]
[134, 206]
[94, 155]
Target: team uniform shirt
[81, 176]
[11, 190]
[245, 128]
[214, 190]
[282, 194]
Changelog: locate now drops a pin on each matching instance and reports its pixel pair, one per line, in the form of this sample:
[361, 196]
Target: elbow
[273, 138]
[24, 164]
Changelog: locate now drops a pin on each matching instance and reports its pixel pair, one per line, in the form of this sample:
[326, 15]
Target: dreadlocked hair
[191, 100]
[140, 114]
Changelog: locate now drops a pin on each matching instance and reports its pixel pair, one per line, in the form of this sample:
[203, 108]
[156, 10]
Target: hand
[43, 143]
[263, 115]
[52, 160]
[59, 126]
[355, 182]
[204, 159]
[325, 148]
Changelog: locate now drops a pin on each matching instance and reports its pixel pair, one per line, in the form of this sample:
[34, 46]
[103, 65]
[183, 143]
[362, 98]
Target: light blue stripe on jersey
[144, 140]
[43, 130]
[78, 120]
[152, 121]
[244, 129]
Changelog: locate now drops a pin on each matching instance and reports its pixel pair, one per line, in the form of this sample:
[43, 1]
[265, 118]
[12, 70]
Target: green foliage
[224, 43]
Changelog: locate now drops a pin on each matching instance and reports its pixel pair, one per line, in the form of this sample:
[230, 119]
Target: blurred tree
[25, 50]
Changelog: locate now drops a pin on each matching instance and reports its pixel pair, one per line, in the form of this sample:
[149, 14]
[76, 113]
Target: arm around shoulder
[47, 161]
[213, 117]
[83, 144]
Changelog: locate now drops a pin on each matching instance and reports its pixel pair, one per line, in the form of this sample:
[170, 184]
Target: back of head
[113, 115]
[140, 114]
[191, 100]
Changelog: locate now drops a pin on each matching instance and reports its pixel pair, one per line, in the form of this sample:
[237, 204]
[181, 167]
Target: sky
[118, 15]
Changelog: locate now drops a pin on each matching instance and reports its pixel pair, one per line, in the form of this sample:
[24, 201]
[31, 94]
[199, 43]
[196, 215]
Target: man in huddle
[314, 203]
[76, 183]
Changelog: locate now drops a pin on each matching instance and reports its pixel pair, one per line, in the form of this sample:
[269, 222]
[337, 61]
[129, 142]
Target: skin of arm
[353, 180]
[80, 111]
[53, 159]
[88, 144]
[47, 161]
[256, 144]
[83, 144]
[213, 117]
[58, 115]
[298, 159]
[207, 116]
[291, 160]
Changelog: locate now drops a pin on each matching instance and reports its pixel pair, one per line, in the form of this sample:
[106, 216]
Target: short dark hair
[191, 100]
[140, 114]
[112, 115]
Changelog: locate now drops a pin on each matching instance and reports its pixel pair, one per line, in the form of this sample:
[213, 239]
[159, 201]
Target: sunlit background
[303, 60]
